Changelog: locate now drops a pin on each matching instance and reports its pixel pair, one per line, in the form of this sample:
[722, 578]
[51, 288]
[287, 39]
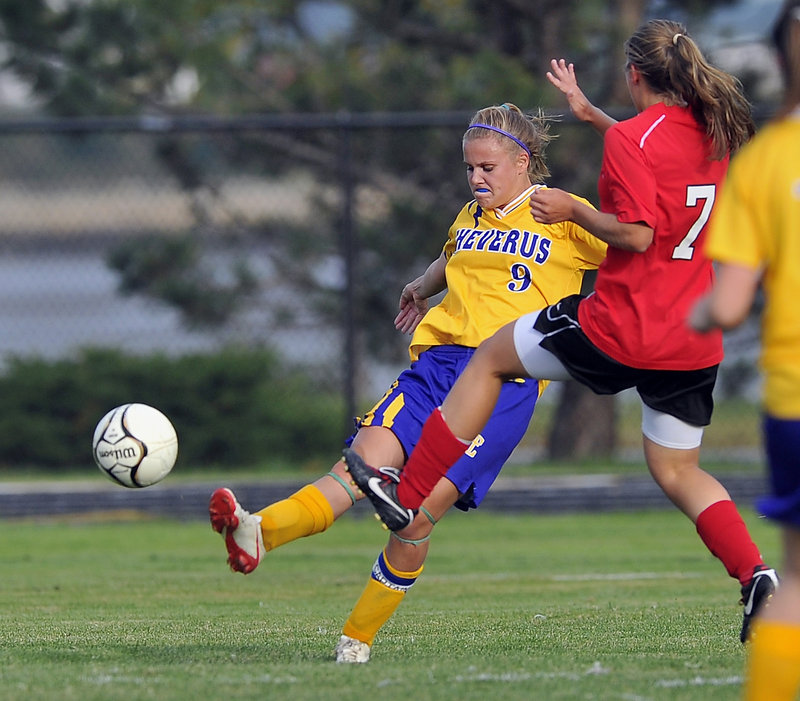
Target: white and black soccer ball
[135, 445]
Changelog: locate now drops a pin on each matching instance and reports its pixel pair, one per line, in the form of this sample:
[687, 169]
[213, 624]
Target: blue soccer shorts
[423, 387]
[782, 443]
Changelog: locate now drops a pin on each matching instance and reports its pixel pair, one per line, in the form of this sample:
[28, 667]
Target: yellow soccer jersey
[502, 264]
[756, 223]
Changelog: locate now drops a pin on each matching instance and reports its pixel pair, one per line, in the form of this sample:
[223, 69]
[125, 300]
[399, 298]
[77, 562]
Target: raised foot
[240, 530]
[380, 486]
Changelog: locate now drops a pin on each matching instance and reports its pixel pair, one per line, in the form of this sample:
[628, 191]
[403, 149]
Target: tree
[134, 57]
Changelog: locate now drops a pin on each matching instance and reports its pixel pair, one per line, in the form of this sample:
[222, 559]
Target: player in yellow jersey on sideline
[496, 264]
[755, 237]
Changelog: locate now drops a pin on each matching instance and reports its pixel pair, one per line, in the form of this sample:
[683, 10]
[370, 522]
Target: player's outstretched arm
[729, 302]
[562, 75]
[414, 297]
[551, 205]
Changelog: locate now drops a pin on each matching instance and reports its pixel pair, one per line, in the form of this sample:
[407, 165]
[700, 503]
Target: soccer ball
[135, 445]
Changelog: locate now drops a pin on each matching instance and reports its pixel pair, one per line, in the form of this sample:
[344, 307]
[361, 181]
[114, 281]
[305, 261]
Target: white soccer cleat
[240, 529]
[351, 651]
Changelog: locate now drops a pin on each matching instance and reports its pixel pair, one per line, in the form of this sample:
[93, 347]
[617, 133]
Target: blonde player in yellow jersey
[755, 237]
[496, 264]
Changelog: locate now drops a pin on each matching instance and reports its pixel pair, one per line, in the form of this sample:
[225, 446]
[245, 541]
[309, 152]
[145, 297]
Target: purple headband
[500, 131]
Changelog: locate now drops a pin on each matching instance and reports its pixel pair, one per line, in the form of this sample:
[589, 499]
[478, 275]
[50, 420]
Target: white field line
[622, 576]
[595, 669]
[584, 577]
[700, 681]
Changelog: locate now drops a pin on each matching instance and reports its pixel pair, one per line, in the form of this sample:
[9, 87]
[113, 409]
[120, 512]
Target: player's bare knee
[417, 533]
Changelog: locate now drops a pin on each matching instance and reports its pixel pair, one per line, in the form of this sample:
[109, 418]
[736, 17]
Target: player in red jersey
[660, 176]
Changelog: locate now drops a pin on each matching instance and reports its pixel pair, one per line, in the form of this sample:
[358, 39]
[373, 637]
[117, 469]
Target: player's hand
[700, 318]
[551, 205]
[562, 75]
[408, 319]
[412, 308]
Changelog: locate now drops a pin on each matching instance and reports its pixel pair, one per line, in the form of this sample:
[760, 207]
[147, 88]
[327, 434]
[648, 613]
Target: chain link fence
[292, 231]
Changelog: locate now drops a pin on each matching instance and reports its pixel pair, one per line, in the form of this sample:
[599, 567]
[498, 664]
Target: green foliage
[233, 408]
[131, 57]
[589, 606]
[244, 56]
[168, 269]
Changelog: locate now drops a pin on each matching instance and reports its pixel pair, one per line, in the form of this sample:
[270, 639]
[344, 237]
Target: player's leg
[672, 451]
[397, 568]
[314, 508]
[707, 503]
[448, 431]
[773, 663]
[468, 481]
[386, 434]
[310, 510]
[678, 473]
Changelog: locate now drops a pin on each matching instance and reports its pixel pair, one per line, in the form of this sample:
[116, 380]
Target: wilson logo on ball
[117, 454]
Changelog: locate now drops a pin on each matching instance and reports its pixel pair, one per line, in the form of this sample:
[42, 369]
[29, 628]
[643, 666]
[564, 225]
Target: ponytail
[673, 65]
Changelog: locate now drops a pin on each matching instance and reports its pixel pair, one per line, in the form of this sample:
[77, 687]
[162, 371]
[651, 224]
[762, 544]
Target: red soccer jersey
[656, 170]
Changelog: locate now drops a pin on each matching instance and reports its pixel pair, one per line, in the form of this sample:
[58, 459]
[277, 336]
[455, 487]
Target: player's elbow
[640, 239]
[728, 317]
[634, 237]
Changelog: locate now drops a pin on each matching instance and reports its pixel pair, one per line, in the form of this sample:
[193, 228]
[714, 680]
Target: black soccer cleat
[755, 596]
[380, 486]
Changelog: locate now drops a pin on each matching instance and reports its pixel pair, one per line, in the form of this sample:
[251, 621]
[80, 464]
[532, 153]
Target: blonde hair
[786, 37]
[673, 65]
[532, 130]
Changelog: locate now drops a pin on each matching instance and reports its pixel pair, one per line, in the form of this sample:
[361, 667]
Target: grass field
[609, 606]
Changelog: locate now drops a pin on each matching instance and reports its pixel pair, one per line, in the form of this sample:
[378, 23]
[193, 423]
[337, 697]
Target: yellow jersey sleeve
[756, 223]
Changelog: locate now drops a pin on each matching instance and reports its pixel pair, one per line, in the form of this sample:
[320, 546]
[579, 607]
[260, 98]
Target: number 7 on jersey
[694, 194]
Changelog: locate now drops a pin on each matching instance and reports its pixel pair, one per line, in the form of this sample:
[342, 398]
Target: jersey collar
[519, 201]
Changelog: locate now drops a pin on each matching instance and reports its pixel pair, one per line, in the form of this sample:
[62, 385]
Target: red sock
[721, 528]
[437, 450]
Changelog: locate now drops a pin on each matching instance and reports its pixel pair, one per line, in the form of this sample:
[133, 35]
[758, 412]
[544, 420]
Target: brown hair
[531, 129]
[786, 37]
[673, 65]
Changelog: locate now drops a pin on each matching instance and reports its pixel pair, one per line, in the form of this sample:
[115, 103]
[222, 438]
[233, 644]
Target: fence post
[349, 255]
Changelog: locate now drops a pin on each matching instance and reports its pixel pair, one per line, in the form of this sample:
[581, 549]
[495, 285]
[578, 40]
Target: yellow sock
[773, 663]
[384, 591]
[305, 512]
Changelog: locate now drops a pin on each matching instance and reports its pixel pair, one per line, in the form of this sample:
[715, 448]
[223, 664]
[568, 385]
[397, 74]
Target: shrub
[233, 408]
